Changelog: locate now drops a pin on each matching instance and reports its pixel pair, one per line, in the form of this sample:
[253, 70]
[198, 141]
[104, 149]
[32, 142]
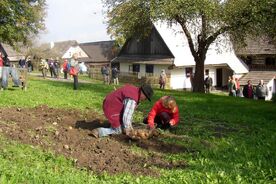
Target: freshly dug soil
[68, 132]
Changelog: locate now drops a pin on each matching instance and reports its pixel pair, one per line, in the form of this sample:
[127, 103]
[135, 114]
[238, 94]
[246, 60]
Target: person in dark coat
[115, 73]
[208, 82]
[248, 90]
[119, 106]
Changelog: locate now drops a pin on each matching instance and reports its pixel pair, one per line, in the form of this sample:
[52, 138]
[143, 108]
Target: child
[164, 114]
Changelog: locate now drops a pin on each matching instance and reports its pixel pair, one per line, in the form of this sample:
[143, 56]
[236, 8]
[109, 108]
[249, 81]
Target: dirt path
[67, 132]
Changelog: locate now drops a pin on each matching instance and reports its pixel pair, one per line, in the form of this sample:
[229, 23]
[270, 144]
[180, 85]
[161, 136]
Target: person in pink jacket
[164, 114]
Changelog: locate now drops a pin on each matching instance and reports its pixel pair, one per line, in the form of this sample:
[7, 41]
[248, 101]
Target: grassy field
[231, 140]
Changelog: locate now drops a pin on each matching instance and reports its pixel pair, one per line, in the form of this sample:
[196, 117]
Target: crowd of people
[70, 68]
[259, 91]
[248, 91]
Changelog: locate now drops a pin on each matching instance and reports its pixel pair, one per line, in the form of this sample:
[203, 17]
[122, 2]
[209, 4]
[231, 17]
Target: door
[219, 77]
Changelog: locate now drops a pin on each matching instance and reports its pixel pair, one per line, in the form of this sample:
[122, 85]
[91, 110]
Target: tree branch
[182, 22]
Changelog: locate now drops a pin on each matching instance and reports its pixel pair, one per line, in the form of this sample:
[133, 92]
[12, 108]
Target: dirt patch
[68, 132]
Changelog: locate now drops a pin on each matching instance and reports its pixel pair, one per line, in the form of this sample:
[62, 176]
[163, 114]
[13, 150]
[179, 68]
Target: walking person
[238, 90]
[7, 71]
[52, 68]
[74, 69]
[119, 106]
[232, 86]
[57, 68]
[22, 63]
[115, 73]
[29, 65]
[162, 79]
[103, 69]
[106, 75]
[65, 67]
[43, 66]
[208, 82]
[261, 90]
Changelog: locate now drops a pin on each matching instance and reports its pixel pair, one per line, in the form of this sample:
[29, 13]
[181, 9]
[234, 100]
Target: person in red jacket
[119, 106]
[1, 60]
[65, 68]
[164, 114]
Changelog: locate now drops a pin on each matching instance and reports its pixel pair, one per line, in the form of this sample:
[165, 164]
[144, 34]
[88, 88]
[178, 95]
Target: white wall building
[168, 46]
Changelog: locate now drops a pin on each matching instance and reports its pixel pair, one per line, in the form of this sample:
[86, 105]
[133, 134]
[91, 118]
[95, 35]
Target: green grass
[230, 140]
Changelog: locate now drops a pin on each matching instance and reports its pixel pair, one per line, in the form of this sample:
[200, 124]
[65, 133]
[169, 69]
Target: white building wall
[158, 68]
[179, 79]
[124, 67]
[142, 69]
[69, 53]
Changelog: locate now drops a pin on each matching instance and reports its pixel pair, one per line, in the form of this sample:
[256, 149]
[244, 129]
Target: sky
[80, 20]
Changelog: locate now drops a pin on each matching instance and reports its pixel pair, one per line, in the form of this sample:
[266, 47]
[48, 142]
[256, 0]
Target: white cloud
[80, 20]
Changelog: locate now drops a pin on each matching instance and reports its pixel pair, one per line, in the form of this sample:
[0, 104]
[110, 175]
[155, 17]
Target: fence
[131, 77]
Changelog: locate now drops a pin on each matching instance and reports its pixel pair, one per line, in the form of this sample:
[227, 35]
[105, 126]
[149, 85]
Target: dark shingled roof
[261, 46]
[99, 52]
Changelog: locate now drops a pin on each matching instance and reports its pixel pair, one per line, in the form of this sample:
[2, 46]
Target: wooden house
[260, 57]
[93, 53]
[13, 55]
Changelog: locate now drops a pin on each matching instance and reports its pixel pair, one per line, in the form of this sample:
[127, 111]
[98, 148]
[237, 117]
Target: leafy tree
[20, 20]
[202, 21]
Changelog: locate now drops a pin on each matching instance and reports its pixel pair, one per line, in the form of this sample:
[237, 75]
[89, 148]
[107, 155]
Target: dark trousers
[75, 82]
[161, 120]
[162, 85]
[261, 98]
[65, 74]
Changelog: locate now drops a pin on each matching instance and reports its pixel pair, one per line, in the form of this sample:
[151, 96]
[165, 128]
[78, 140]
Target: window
[248, 60]
[188, 71]
[136, 68]
[270, 61]
[149, 68]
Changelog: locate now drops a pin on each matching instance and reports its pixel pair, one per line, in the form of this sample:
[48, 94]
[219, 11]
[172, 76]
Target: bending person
[164, 114]
[119, 106]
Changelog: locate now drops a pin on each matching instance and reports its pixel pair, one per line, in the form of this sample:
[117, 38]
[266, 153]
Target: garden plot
[68, 132]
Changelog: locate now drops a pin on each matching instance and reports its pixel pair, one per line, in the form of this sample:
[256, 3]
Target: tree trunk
[198, 83]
